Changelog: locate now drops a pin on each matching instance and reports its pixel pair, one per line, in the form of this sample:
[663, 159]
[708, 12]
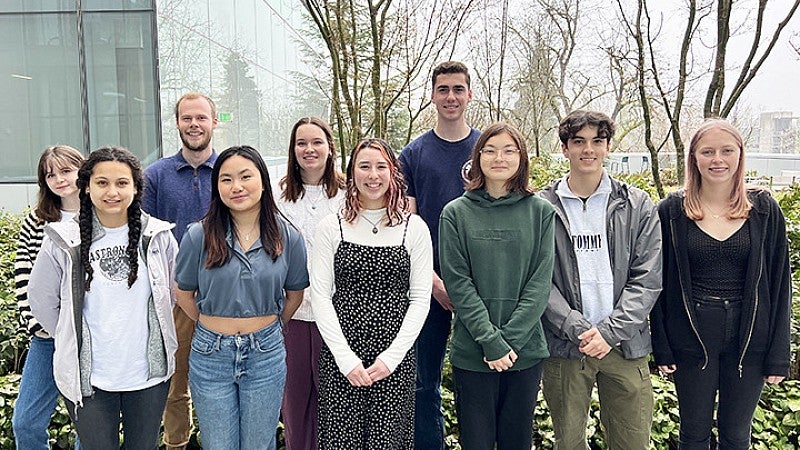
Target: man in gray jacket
[606, 278]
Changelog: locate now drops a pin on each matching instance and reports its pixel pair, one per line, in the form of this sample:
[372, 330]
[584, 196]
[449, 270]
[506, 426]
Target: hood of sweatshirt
[484, 200]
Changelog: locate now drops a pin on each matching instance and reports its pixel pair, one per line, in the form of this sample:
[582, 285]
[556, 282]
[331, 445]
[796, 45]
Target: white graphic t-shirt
[117, 316]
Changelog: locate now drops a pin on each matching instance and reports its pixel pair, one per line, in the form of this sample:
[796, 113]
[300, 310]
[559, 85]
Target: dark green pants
[625, 393]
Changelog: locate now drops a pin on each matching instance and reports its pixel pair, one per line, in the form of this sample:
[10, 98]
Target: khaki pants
[177, 414]
[626, 400]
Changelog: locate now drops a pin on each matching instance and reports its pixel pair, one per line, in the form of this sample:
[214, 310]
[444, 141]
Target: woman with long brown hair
[311, 190]
[58, 201]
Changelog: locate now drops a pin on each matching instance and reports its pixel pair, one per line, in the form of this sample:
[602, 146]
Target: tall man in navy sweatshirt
[434, 166]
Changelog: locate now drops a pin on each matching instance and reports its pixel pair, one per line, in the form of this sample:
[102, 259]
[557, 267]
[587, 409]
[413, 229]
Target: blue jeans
[431, 348]
[37, 398]
[98, 420]
[237, 387]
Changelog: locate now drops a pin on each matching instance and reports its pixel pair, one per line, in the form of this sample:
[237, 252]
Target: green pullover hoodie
[497, 265]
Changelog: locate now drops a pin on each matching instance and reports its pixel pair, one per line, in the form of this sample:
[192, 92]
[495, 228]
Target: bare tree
[546, 87]
[379, 51]
[655, 73]
[717, 103]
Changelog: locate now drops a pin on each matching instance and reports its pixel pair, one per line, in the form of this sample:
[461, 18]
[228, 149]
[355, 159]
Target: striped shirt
[30, 241]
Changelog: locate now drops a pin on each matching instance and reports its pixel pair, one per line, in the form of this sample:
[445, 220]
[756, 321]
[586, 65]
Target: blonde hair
[739, 204]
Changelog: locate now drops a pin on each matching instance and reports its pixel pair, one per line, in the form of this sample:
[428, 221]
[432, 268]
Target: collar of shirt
[182, 163]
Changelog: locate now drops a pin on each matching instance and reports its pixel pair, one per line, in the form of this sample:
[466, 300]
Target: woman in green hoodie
[496, 250]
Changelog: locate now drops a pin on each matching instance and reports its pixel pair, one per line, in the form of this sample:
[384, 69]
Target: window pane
[121, 82]
[39, 84]
[37, 5]
[116, 5]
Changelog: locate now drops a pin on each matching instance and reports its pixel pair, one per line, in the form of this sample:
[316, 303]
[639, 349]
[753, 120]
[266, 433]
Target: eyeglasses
[489, 152]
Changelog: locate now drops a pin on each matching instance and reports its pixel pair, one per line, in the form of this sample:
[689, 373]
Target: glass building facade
[90, 73]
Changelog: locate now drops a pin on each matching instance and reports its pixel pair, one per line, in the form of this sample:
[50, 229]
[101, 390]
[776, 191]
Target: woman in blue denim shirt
[240, 270]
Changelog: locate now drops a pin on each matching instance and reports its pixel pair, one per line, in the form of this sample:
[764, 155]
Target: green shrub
[545, 169]
[789, 200]
[13, 338]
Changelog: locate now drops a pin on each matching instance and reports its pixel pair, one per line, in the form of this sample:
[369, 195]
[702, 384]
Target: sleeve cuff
[496, 349]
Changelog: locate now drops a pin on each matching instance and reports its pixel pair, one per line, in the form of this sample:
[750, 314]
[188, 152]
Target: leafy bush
[789, 200]
[61, 431]
[546, 168]
[13, 338]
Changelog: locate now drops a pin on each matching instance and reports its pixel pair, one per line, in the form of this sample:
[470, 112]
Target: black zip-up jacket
[767, 294]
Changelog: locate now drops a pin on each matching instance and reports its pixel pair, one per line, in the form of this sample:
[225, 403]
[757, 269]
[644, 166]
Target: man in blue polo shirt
[178, 189]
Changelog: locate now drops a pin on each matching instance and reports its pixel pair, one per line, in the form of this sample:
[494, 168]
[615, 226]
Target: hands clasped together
[365, 377]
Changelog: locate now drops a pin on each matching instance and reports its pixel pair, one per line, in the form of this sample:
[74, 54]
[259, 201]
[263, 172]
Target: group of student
[327, 300]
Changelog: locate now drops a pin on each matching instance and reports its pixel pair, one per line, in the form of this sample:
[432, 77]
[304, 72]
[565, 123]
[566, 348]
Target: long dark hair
[292, 183]
[396, 199]
[48, 204]
[218, 219]
[86, 215]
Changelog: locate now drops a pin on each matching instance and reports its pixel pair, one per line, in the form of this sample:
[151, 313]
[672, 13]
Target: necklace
[713, 213]
[312, 202]
[374, 224]
[246, 236]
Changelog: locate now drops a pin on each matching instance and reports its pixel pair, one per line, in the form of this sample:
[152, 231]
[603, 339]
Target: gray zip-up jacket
[634, 241]
[56, 297]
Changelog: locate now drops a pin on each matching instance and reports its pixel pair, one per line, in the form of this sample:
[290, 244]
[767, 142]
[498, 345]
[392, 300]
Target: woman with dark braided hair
[371, 272]
[102, 287]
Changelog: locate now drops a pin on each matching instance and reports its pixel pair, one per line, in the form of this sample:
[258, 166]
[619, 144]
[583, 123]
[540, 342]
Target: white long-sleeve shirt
[306, 213]
[420, 249]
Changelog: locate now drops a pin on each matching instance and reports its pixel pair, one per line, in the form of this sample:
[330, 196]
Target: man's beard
[195, 148]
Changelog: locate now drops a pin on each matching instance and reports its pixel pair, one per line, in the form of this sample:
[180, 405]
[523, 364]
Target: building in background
[89, 73]
[778, 132]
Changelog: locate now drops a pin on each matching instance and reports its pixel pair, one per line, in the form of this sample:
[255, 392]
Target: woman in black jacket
[721, 324]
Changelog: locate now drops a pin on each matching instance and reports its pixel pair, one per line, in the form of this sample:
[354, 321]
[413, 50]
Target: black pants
[697, 388]
[97, 422]
[496, 407]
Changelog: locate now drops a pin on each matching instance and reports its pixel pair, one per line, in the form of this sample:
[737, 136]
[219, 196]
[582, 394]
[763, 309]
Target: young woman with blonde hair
[721, 324]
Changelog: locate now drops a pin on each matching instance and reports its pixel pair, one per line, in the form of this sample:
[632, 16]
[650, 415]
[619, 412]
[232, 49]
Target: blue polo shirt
[177, 192]
[250, 284]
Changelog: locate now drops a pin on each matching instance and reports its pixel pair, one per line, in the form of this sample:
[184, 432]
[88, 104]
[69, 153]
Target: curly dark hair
[447, 68]
[86, 217]
[576, 120]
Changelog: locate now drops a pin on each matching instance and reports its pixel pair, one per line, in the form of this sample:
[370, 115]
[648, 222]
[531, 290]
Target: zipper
[755, 306]
[613, 206]
[686, 303]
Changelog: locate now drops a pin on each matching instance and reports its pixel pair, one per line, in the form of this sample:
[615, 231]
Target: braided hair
[86, 217]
